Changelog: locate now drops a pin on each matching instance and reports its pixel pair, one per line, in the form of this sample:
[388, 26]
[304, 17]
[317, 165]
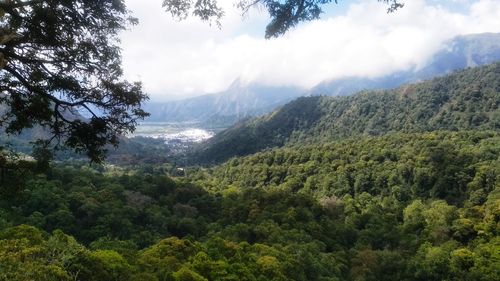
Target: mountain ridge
[467, 99]
[237, 102]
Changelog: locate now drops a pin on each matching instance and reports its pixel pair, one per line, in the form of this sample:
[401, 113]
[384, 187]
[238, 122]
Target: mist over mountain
[237, 102]
[240, 101]
[458, 53]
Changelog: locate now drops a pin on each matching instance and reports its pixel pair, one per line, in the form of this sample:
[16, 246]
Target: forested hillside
[396, 207]
[468, 99]
[444, 165]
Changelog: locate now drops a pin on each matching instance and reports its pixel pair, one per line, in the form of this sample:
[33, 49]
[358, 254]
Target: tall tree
[60, 67]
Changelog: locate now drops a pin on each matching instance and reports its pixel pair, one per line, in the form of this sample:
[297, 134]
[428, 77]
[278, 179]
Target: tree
[284, 14]
[60, 68]
[185, 274]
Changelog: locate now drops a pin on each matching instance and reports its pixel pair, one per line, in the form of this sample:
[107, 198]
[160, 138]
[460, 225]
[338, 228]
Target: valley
[407, 178]
[353, 144]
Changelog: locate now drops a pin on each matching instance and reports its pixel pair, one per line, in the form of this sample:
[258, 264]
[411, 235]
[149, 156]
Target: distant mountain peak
[243, 99]
[236, 84]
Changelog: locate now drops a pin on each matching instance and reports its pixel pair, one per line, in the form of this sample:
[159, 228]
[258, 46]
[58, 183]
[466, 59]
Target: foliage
[445, 165]
[61, 69]
[394, 185]
[421, 206]
[284, 14]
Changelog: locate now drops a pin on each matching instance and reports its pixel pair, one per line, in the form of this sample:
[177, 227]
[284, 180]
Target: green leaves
[284, 14]
[61, 71]
[357, 209]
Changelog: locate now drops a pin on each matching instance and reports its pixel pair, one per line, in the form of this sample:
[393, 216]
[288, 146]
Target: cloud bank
[189, 58]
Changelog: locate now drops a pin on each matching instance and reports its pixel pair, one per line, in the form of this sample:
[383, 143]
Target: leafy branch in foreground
[60, 67]
[284, 14]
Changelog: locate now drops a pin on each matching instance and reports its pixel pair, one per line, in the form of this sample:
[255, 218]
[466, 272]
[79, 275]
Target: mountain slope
[393, 163]
[468, 99]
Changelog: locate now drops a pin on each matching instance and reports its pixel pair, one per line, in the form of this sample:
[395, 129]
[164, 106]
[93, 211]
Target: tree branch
[21, 79]
[14, 5]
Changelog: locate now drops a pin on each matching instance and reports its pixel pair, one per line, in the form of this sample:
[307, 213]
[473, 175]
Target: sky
[180, 59]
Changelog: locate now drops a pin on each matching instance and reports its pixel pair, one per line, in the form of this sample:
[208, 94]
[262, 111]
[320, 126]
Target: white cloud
[179, 59]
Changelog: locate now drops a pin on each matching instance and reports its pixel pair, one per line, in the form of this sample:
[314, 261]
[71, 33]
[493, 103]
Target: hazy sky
[353, 38]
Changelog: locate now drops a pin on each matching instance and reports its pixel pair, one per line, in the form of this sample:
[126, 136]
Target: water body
[184, 132]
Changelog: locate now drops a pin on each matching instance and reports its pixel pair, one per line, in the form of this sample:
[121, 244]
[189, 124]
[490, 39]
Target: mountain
[458, 53]
[240, 101]
[237, 102]
[465, 100]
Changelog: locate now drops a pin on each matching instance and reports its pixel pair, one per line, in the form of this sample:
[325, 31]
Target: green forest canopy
[420, 206]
